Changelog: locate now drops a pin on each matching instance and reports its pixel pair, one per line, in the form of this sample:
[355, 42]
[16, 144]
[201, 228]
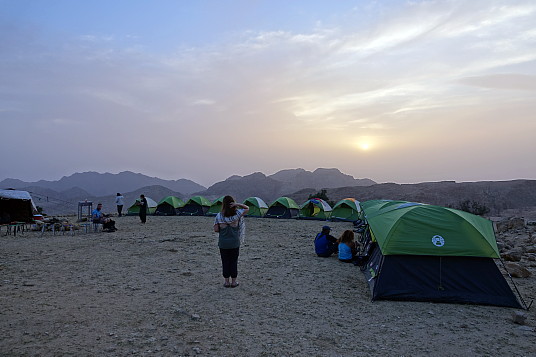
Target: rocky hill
[281, 183]
[98, 184]
[496, 195]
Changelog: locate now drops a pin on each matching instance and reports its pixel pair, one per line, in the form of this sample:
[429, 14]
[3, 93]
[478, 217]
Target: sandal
[234, 285]
[226, 285]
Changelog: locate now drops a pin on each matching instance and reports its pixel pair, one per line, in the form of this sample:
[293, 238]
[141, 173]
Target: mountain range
[62, 196]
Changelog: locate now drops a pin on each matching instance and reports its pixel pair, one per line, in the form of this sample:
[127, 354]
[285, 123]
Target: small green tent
[283, 207]
[346, 210]
[431, 253]
[135, 209]
[315, 208]
[169, 206]
[257, 207]
[195, 206]
[215, 207]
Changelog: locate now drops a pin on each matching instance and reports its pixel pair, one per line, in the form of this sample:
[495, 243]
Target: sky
[394, 91]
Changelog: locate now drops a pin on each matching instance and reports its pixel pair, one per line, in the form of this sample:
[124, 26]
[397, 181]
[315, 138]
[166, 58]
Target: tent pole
[515, 286]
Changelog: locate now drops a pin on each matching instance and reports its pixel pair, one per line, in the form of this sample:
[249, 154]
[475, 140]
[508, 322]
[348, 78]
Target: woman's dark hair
[118, 194]
[226, 208]
[347, 237]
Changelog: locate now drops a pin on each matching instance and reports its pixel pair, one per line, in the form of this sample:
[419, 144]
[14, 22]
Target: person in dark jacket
[325, 243]
[143, 208]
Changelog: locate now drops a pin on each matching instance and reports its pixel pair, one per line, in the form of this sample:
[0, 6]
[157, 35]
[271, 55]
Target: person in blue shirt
[347, 247]
[325, 243]
[99, 217]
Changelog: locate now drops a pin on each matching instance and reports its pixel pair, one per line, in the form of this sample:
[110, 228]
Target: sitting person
[325, 244]
[347, 247]
[99, 217]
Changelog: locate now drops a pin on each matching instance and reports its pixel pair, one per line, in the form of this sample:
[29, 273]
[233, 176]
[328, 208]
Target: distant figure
[99, 217]
[143, 208]
[325, 243]
[119, 201]
[230, 225]
[347, 247]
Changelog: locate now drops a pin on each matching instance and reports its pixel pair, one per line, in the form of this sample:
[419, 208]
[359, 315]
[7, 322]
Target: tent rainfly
[315, 208]
[424, 252]
[257, 207]
[346, 210]
[169, 206]
[215, 207]
[283, 207]
[195, 206]
[135, 209]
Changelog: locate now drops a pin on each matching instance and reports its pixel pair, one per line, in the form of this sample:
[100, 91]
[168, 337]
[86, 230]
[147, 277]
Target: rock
[195, 317]
[513, 255]
[511, 224]
[516, 270]
[519, 317]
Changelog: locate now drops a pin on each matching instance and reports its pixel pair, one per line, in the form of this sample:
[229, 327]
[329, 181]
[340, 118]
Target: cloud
[401, 71]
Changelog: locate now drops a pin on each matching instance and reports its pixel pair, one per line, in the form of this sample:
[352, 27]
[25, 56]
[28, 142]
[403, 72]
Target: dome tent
[283, 207]
[424, 252]
[215, 207]
[315, 208]
[257, 207]
[195, 206]
[346, 210]
[135, 209]
[169, 206]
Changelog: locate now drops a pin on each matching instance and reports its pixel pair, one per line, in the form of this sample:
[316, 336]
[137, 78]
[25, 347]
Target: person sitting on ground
[99, 217]
[325, 244]
[347, 247]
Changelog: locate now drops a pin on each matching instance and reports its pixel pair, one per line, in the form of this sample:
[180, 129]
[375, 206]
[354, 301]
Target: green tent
[195, 206]
[315, 208]
[424, 252]
[408, 227]
[257, 207]
[347, 210]
[215, 206]
[135, 209]
[283, 207]
[169, 206]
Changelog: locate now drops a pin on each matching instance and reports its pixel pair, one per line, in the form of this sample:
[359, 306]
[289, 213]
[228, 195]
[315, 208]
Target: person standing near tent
[325, 243]
[231, 228]
[119, 201]
[143, 208]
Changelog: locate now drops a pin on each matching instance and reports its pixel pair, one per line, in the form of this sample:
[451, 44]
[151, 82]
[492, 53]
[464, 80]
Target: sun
[364, 146]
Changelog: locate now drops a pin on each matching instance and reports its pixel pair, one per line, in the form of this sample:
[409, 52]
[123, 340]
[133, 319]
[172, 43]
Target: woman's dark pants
[229, 262]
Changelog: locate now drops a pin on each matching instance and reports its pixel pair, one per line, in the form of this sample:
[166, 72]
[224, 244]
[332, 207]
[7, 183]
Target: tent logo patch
[438, 241]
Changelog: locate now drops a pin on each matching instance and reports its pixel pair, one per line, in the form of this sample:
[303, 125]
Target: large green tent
[195, 206]
[257, 207]
[315, 208]
[283, 207]
[169, 206]
[215, 206]
[346, 210]
[135, 209]
[432, 253]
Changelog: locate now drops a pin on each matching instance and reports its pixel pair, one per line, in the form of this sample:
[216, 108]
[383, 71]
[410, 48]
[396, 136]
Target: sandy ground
[156, 289]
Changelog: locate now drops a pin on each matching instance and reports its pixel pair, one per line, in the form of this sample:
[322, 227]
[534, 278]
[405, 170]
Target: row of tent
[347, 209]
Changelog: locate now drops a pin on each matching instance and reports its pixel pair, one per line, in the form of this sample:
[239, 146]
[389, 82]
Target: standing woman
[119, 201]
[230, 225]
[143, 209]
